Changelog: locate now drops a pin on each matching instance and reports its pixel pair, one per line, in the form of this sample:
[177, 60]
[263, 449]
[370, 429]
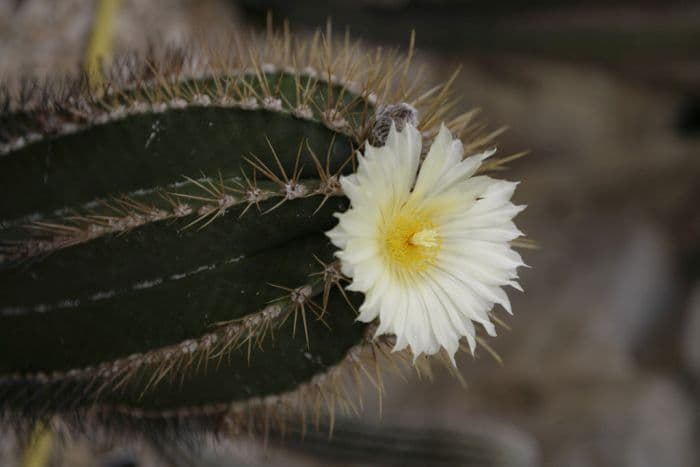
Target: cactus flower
[428, 244]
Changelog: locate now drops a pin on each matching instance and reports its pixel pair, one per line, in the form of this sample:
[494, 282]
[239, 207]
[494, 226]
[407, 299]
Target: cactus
[162, 248]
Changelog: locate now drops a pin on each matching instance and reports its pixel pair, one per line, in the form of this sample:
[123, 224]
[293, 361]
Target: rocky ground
[602, 364]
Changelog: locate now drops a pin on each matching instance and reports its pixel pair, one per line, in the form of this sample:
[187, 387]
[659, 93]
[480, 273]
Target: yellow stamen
[411, 241]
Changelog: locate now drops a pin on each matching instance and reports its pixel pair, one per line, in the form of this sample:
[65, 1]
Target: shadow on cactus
[163, 254]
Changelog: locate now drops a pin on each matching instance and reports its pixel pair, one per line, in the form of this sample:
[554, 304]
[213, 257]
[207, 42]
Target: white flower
[428, 245]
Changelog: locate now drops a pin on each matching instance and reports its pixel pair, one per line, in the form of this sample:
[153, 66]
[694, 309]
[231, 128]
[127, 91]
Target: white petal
[365, 275]
[406, 151]
[444, 168]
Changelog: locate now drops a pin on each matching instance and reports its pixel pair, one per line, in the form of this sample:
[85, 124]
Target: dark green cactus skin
[165, 282]
[280, 364]
[152, 150]
[168, 313]
[117, 157]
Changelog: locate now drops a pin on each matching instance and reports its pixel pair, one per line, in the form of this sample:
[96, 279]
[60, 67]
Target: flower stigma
[411, 241]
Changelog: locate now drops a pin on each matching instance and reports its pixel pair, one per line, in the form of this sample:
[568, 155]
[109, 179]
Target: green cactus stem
[162, 247]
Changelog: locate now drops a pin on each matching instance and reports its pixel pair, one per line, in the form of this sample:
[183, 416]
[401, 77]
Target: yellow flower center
[411, 241]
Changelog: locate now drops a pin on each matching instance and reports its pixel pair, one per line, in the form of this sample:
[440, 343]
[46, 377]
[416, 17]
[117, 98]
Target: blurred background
[602, 365]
